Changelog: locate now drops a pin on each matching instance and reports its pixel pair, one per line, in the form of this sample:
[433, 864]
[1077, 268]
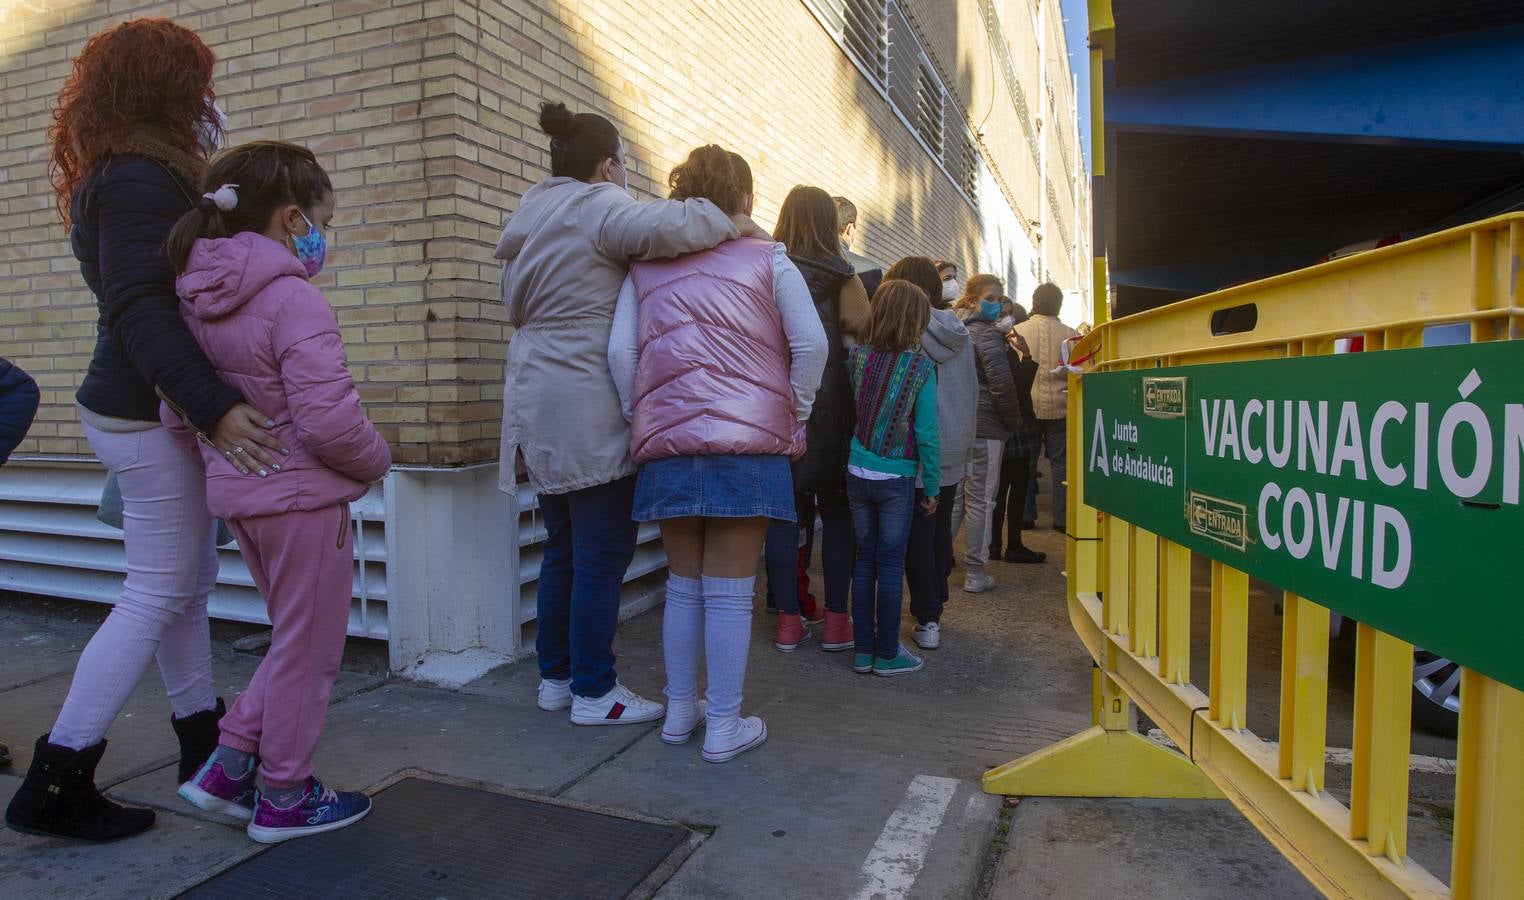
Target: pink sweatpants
[303, 565]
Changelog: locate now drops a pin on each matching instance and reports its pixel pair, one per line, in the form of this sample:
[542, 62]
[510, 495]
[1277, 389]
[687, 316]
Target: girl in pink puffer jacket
[245, 255]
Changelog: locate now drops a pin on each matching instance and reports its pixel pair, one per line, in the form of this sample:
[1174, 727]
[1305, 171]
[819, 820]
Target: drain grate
[432, 841]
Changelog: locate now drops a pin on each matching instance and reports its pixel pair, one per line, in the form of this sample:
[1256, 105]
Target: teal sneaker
[902, 664]
[862, 663]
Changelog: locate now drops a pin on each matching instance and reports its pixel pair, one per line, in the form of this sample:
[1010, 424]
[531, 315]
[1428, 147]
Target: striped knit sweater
[896, 398]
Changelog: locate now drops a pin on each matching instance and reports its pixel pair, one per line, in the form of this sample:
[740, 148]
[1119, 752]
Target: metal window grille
[968, 170]
[930, 98]
[861, 28]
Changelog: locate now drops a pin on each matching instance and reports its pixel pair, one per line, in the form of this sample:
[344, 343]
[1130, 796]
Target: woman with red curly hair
[131, 132]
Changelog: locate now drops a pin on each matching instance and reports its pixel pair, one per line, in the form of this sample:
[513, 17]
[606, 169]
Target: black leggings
[1010, 500]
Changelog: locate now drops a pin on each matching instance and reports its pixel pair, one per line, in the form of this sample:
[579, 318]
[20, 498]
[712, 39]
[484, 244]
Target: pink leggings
[171, 569]
[303, 564]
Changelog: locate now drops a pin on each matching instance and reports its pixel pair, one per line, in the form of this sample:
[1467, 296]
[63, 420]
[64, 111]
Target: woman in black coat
[126, 163]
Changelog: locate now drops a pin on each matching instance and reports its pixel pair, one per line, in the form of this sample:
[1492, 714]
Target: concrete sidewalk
[867, 786]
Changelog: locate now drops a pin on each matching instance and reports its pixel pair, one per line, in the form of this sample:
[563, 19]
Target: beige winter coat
[1045, 335]
[566, 250]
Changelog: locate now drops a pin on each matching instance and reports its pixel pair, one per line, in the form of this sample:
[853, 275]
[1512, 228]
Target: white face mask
[210, 137]
[951, 290]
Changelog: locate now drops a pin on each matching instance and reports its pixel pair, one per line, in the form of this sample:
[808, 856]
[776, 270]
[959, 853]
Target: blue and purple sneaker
[320, 809]
[213, 790]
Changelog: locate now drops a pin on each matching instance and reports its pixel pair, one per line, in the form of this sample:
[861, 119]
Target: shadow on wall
[804, 114]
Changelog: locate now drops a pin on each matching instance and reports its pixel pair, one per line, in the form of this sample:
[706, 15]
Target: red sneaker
[791, 633]
[838, 632]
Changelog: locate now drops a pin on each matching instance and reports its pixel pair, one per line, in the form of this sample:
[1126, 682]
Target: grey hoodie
[946, 342]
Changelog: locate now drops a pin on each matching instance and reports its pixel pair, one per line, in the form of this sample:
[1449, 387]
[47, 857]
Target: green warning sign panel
[1382, 485]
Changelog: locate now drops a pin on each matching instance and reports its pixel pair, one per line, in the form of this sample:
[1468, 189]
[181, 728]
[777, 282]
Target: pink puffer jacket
[713, 376]
[272, 335]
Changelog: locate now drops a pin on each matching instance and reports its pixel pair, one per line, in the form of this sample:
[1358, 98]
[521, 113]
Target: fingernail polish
[263, 473]
[276, 467]
[269, 423]
[286, 451]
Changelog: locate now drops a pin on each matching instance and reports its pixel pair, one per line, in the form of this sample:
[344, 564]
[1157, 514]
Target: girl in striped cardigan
[894, 386]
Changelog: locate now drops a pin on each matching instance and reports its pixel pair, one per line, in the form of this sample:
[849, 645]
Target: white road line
[1341, 756]
[896, 858]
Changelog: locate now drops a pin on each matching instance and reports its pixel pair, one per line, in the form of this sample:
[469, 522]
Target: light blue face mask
[989, 309]
[311, 248]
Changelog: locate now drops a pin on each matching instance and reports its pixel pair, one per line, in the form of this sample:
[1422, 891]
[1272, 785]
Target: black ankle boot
[198, 735]
[59, 797]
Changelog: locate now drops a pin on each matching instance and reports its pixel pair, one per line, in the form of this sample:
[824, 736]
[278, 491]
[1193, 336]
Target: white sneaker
[928, 636]
[680, 727]
[555, 695]
[729, 738]
[621, 706]
[978, 583]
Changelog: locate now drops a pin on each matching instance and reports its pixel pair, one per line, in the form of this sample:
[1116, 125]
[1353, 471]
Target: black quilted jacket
[122, 217]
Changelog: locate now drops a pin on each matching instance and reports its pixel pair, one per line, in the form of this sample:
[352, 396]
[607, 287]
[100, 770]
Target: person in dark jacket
[125, 165]
[1021, 451]
[807, 228]
[871, 273]
[998, 414]
[18, 404]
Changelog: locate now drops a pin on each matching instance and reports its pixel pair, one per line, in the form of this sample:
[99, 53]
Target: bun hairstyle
[715, 174]
[919, 271]
[578, 143]
[244, 186]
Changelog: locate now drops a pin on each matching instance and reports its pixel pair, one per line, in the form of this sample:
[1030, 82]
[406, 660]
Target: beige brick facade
[424, 114]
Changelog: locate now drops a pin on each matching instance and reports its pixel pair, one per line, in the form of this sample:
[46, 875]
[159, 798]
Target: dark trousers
[781, 555]
[589, 543]
[881, 514]
[1010, 500]
[929, 558]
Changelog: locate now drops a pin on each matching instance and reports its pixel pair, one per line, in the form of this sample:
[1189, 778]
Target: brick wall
[424, 114]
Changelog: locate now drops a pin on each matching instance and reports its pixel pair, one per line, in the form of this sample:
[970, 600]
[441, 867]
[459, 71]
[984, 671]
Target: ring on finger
[238, 450]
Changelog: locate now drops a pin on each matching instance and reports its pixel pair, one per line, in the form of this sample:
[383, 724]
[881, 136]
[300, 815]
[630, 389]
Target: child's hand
[928, 506]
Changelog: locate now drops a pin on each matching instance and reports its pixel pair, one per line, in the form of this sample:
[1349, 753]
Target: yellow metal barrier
[1129, 600]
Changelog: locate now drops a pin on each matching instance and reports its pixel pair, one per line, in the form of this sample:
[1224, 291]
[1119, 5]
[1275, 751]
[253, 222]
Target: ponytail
[244, 186]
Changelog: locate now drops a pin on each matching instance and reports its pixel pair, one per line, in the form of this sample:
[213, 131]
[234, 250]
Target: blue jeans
[589, 543]
[782, 553]
[881, 514]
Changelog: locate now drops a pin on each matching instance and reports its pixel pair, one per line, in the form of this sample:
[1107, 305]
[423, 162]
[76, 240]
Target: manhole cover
[432, 841]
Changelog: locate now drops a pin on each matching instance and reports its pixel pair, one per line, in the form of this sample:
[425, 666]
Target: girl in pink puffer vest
[716, 356]
[244, 256]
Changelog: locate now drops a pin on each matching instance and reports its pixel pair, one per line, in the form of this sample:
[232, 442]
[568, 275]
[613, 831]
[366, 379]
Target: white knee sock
[727, 638]
[682, 636]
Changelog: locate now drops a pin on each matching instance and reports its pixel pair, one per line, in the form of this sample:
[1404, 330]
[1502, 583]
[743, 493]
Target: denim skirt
[731, 487]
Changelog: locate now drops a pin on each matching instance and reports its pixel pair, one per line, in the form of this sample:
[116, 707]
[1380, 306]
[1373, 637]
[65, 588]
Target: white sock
[682, 636]
[727, 639]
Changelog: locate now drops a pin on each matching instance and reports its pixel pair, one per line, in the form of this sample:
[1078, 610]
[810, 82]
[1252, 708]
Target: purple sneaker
[214, 791]
[320, 809]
